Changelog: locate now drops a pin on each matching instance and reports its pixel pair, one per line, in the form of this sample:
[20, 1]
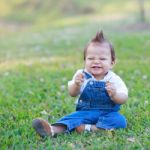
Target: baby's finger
[81, 75]
[108, 83]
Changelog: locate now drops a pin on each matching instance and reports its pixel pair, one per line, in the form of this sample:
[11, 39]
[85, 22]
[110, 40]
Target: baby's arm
[74, 87]
[117, 97]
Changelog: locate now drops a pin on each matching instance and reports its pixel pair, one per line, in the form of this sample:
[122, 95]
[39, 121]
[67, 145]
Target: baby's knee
[121, 121]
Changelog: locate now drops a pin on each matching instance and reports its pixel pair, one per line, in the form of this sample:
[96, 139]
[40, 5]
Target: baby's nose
[97, 61]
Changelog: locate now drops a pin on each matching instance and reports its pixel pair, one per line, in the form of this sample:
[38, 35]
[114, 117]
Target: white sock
[52, 131]
[88, 127]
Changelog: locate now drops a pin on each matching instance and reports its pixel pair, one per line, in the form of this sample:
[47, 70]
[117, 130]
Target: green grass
[36, 81]
[35, 66]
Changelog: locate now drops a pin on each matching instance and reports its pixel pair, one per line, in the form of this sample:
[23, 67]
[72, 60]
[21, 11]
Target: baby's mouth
[96, 67]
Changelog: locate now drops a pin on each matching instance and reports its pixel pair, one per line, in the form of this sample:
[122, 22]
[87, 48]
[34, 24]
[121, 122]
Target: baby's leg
[43, 128]
[112, 120]
[58, 128]
[87, 127]
[73, 120]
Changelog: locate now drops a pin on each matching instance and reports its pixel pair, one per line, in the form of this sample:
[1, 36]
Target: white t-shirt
[110, 76]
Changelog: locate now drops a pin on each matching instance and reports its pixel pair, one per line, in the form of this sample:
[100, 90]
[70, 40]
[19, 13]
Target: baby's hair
[98, 40]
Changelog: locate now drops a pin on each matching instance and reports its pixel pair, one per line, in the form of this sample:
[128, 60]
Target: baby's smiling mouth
[97, 67]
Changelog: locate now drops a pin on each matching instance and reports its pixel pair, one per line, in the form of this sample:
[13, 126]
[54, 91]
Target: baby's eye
[102, 58]
[90, 58]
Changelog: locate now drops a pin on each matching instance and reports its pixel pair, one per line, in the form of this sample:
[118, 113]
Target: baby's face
[98, 60]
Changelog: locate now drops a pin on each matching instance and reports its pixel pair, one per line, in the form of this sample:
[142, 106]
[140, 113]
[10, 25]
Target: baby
[100, 93]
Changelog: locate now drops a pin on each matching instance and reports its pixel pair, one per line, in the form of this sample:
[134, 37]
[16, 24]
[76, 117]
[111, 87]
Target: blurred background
[23, 14]
[34, 27]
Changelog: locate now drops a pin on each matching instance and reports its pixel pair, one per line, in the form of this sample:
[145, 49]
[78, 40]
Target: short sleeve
[120, 85]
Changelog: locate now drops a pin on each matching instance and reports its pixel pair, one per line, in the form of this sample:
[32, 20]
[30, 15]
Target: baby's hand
[79, 79]
[110, 89]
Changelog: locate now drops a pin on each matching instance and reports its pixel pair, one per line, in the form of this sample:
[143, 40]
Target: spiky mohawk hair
[100, 39]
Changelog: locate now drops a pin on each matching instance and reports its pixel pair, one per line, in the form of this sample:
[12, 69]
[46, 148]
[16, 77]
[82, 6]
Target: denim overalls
[94, 107]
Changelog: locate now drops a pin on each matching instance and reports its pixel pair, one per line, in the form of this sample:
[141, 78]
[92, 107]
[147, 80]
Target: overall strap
[87, 75]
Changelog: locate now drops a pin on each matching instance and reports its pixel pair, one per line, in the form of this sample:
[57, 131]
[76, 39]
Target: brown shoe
[80, 128]
[42, 127]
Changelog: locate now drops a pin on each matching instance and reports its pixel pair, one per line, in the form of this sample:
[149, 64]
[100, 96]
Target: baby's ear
[113, 63]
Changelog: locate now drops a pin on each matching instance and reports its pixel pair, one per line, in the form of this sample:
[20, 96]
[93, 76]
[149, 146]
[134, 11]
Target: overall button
[91, 82]
[80, 100]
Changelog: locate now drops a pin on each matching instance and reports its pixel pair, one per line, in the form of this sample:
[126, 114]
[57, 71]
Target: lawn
[37, 62]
